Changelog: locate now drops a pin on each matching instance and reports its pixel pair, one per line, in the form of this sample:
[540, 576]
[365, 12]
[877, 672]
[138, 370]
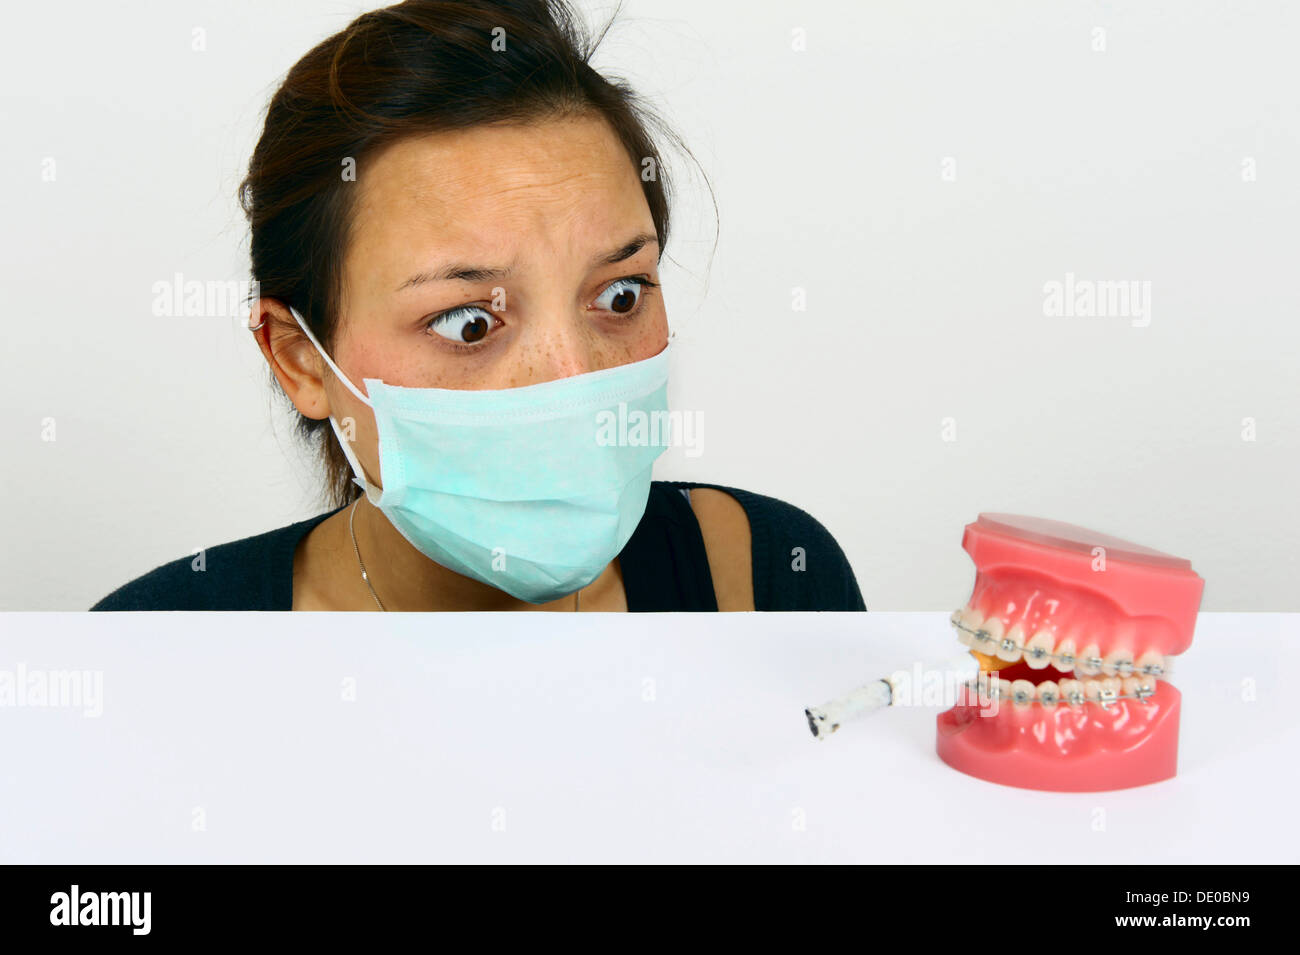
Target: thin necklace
[577, 595]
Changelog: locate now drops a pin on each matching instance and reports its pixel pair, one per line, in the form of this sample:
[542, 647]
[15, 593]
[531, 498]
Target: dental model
[1079, 629]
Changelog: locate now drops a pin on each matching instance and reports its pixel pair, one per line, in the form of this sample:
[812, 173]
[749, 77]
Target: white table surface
[548, 737]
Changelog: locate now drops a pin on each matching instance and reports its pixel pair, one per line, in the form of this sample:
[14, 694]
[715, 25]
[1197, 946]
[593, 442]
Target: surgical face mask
[531, 490]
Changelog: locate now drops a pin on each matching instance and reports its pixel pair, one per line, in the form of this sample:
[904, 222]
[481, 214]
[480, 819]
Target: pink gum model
[1080, 627]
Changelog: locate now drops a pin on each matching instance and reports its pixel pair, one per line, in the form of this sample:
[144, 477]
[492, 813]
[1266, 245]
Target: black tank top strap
[664, 563]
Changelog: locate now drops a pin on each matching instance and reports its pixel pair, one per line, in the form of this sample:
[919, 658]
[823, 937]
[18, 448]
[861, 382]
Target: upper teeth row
[987, 637]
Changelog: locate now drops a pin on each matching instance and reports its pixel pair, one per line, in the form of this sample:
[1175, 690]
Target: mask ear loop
[358, 475]
[329, 361]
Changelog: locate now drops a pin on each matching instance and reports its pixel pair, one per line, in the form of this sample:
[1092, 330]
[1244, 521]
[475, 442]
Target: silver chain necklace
[577, 595]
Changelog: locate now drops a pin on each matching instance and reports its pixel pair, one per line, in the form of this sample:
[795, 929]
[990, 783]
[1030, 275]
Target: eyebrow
[481, 273]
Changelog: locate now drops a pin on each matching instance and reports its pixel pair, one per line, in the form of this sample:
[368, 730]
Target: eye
[468, 324]
[625, 295]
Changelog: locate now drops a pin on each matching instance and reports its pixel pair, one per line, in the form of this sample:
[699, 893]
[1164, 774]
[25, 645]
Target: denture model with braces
[1074, 631]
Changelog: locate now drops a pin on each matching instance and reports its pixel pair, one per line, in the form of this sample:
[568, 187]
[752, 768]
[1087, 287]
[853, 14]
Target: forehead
[494, 192]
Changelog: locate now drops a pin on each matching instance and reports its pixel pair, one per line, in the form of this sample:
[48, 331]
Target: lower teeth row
[1068, 692]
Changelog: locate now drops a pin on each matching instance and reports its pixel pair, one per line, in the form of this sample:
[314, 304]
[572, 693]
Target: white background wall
[924, 296]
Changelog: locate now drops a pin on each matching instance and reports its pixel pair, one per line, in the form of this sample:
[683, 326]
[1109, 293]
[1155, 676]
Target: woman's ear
[293, 358]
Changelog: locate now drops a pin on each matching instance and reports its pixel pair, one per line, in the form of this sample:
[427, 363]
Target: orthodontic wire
[992, 691]
[1076, 698]
[1038, 653]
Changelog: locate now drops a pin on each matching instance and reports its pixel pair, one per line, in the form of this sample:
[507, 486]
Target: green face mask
[531, 490]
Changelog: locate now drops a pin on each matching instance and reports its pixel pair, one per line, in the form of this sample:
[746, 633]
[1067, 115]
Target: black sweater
[665, 566]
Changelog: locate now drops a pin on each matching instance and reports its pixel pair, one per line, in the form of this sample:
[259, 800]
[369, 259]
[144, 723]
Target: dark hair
[417, 67]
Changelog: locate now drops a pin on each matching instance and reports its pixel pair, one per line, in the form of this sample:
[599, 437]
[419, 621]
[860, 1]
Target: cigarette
[827, 718]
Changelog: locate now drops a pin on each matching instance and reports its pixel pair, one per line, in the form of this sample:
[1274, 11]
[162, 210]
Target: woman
[456, 232]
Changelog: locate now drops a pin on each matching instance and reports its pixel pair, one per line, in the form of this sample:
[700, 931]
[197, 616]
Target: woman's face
[495, 257]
